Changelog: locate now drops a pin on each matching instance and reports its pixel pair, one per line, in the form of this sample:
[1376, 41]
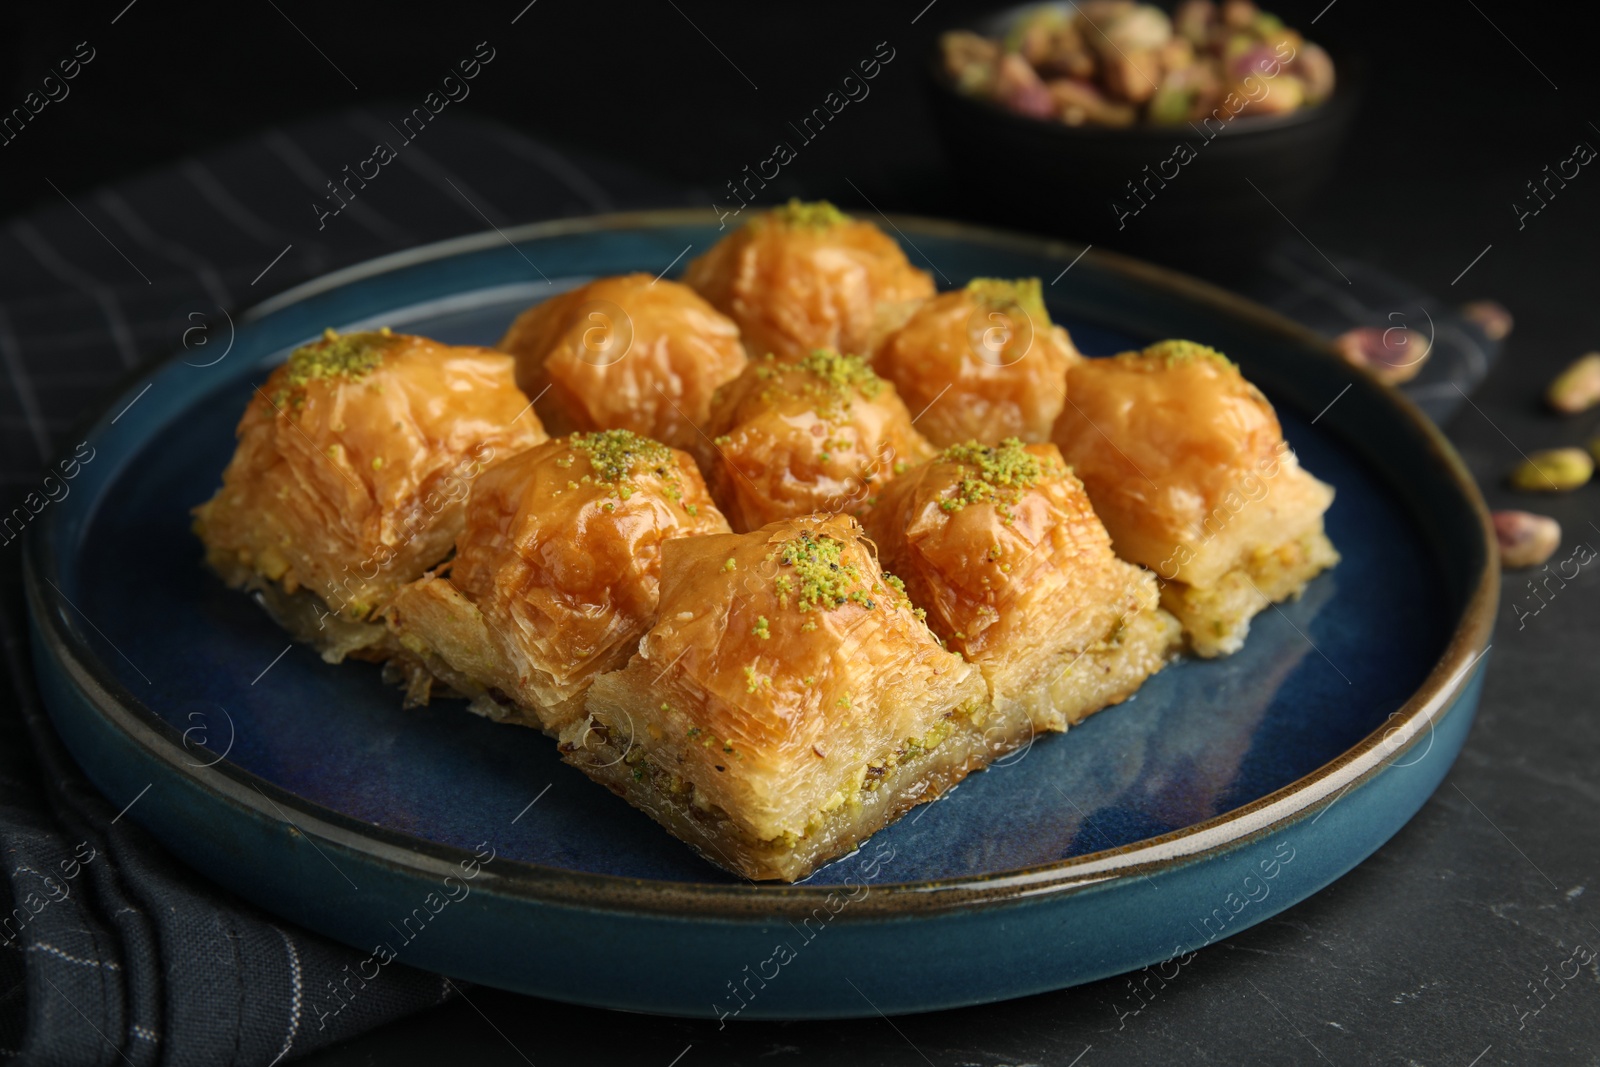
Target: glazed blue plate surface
[1221, 793]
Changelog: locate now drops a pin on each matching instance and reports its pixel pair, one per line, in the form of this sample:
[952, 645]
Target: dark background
[1454, 121]
[1423, 954]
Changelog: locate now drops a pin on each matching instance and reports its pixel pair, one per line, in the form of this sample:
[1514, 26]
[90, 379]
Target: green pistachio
[1555, 470]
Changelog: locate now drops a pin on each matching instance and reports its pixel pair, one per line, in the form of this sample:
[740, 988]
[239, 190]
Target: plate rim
[1317, 790]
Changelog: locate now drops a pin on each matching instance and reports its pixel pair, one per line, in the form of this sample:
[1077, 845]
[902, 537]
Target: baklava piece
[1002, 549]
[1186, 465]
[807, 276]
[625, 353]
[351, 476]
[982, 363]
[791, 437]
[788, 703]
[555, 576]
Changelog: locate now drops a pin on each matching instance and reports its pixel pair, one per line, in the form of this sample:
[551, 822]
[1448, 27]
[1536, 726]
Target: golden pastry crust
[556, 574]
[790, 437]
[1002, 548]
[784, 679]
[982, 363]
[626, 353]
[1187, 466]
[353, 465]
[807, 276]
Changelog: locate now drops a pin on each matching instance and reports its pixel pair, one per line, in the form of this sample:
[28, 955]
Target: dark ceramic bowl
[1221, 210]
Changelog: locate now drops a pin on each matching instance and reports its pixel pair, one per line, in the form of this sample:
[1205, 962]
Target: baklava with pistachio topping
[981, 363]
[814, 433]
[1186, 465]
[788, 703]
[805, 276]
[351, 475]
[555, 575]
[626, 353]
[1002, 549]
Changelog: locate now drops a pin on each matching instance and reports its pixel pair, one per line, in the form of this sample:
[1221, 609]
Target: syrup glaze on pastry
[625, 353]
[353, 466]
[1002, 548]
[805, 276]
[787, 704]
[555, 577]
[982, 363]
[1187, 467]
[819, 433]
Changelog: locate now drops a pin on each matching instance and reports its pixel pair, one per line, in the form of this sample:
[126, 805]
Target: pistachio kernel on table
[1396, 355]
[1578, 387]
[1525, 539]
[1492, 318]
[1554, 470]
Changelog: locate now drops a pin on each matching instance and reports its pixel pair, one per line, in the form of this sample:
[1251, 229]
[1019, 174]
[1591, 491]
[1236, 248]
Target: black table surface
[1440, 948]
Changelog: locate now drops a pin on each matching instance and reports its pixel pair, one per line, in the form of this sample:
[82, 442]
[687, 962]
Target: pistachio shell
[1314, 67]
[1239, 14]
[1141, 29]
[1193, 18]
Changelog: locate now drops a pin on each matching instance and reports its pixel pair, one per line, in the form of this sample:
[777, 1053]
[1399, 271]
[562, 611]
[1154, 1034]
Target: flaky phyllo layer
[354, 462]
[627, 353]
[808, 276]
[784, 673]
[818, 433]
[1186, 465]
[1002, 548]
[981, 363]
[555, 575]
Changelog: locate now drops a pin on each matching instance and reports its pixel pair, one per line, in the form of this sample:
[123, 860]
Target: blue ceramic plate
[1222, 793]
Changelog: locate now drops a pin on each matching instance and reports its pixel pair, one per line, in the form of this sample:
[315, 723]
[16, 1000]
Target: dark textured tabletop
[1453, 944]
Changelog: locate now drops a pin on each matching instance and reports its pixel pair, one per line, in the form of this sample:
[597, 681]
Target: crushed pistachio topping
[614, 454]
[838, 374]
[996, 475]
[727, 568]
[893, 581]
[754, 681]
[1024, 293]
[820, 577]
[827, 380]
[336, 355]
[802, 214]
[761, 629]
[1174, 352]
